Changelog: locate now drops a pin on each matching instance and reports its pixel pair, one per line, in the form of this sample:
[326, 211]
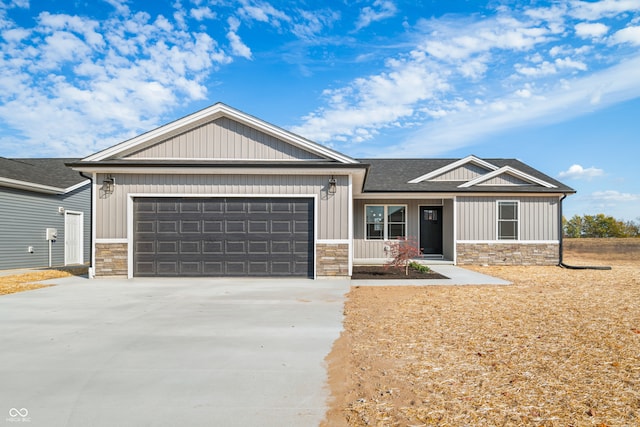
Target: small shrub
[420, 267]
[402, 252]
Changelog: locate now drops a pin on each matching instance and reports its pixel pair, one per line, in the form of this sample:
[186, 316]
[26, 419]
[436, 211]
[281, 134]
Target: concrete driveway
[191, 352]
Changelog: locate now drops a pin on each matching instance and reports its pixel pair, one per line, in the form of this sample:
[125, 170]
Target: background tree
[599, 225]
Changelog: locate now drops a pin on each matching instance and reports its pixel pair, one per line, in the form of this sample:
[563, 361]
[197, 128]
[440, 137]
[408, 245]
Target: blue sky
[554, 84]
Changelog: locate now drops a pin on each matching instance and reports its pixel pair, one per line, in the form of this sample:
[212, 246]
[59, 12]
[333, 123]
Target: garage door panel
[192, 248]
[259, 247]
[167, 267]
[235, 226]
[223, 236]
[167, 226]
[212, 248]
[190, 227]
[190, 268]
[281, 227]
[258, 226]
[212, 226]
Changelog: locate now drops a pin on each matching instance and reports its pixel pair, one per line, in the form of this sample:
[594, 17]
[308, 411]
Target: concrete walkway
[456, 276]
[168, 352]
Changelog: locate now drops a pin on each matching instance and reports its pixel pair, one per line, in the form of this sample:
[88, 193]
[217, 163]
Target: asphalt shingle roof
[49, 172]
[393, 175]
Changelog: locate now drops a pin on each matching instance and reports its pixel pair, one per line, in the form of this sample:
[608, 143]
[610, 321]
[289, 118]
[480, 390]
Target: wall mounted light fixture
[108, 185]
[332, 185]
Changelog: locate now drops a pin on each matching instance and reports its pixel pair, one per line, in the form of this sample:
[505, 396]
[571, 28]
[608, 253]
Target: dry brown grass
[557, 348]
[27, 281]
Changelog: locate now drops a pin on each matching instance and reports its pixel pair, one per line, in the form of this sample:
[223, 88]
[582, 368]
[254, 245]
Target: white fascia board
[508, 170]
[212, 113]
[213, 170]
[403, 196]
[452, 166]
[30, 186]
[78, 185]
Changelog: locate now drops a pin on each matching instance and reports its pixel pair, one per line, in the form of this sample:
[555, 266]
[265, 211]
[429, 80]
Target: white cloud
[615, 196]
[588, 30]
[570, 98]
[628, 35]
[544, 69]
[202, 13]
[312, 23]
[601, 9]
[237, 46]
[579, 172]
[370, 103]
[471, 92]
[262, 12]
[570, 63]
[98, 82]
[379, 10]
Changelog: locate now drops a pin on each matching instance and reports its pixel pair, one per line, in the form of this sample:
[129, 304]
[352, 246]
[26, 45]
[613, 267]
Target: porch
[378, 223]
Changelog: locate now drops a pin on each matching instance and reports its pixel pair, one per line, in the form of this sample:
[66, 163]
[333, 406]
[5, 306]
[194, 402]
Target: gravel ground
[560, 347]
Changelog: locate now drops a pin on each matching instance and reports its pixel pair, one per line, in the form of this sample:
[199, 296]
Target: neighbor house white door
[73, 230]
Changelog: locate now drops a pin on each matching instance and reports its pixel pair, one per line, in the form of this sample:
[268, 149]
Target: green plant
[419, 267]
[402, 252]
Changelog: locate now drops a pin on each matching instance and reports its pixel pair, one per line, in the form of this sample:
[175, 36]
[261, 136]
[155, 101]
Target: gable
[222, 131]
[505, 179]
[470, 166]
[465, 172]
[507, 176]
[223, 139]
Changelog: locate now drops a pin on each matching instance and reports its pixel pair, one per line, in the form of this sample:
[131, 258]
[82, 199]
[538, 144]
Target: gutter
[561, 249]
[90, 221]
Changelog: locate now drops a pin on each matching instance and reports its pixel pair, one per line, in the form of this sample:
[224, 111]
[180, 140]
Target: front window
[385, 222]
[507, 220]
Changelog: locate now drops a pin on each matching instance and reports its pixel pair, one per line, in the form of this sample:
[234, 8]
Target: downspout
[90, 221]
[560, 247]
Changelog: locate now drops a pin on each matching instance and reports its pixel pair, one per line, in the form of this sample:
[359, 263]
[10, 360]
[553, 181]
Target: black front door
[431, 230]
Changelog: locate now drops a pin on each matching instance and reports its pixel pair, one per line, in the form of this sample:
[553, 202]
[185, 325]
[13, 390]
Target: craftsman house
[222, 193]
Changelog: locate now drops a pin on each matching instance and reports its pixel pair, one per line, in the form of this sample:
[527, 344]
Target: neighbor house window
[508, 220]
[385, 222]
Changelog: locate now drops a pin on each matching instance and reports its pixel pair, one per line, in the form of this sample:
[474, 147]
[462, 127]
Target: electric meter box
[52, 233]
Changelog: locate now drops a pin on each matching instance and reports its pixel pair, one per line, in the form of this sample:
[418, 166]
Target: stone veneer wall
[508, 253]
[111, 259]
[332, 259]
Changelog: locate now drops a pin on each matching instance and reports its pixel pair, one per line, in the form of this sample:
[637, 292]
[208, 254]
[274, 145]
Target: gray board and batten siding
[232, 140]
[24, 218]
[331, 219]
[477, 217]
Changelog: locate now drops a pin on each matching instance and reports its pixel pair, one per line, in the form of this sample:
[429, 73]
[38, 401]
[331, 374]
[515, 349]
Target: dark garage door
[223, 237]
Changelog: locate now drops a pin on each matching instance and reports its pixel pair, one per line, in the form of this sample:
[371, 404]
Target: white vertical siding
[332, 210]
[463, 173]
[477, 217]
[223, 139]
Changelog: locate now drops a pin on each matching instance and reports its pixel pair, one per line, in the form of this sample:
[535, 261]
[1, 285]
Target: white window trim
[385, 236]
[517, 202]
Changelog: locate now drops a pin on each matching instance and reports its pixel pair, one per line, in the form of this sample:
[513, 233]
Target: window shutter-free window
[507, 220]
[385, 222]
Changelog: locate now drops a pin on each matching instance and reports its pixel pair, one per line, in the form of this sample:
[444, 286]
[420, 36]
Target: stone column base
[111, 259]
[332, 260]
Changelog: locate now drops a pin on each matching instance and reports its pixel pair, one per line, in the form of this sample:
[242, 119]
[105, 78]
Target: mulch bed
[381, 272]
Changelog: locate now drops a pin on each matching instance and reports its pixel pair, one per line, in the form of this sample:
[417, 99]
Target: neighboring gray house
[220, 192]
[41, 194]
